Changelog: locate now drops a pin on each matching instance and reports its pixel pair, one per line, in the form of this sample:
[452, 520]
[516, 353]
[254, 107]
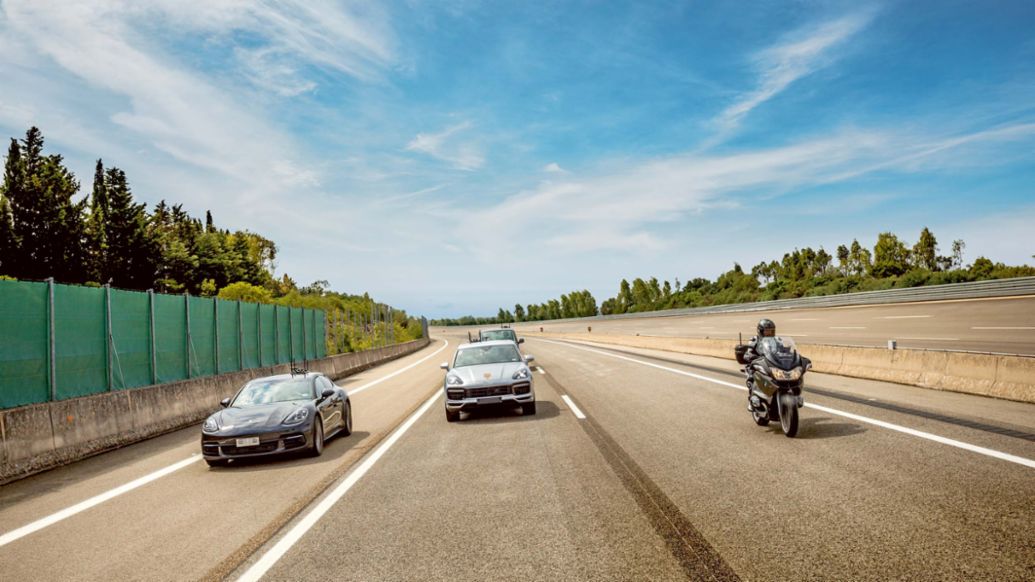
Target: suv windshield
[477, 355]
[499, 334]
[269, 391]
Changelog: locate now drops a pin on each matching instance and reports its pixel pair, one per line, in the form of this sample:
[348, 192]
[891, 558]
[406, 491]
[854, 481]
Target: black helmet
[766, 328]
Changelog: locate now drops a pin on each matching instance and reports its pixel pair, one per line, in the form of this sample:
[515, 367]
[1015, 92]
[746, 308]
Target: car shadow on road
[825, 428]
[334, 449]
[503, 413]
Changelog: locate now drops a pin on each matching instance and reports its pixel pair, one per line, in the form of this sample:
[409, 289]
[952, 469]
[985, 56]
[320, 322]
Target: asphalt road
[660, 475]
[1003, 325]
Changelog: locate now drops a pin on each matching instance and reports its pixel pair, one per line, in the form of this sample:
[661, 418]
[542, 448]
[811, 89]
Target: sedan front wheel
[317, 448]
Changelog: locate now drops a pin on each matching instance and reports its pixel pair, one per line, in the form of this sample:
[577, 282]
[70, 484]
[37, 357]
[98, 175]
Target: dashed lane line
[574, 409]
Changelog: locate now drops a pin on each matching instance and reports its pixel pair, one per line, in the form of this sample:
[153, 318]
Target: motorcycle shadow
[825, 428]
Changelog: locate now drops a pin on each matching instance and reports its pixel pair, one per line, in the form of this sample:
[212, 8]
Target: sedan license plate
[248, 442]
[490, 400]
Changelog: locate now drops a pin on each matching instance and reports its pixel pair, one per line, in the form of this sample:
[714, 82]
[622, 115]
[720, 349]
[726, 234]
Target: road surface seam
[695, 555]
[917, 412]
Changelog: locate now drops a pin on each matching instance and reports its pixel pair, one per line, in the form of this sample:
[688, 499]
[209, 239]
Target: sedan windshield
[269, 391]
[475, 356]
[499, 334]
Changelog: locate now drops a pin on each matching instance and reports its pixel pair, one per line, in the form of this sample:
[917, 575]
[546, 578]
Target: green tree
[130, 254]
[519, 312]
[97, 226]
[843, 261]
[925, 251]
[890, 256]
[8, 244]
[242, 291]
[958, 246]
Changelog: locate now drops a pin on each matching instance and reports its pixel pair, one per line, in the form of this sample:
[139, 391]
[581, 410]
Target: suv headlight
[210, 425]
[297, 416]
[788, 374]
[521, 374]
[454, 381]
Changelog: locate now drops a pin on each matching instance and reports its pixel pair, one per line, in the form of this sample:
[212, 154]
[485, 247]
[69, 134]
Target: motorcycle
[774, 381]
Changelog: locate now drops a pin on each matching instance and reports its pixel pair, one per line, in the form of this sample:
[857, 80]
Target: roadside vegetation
[48, 229]
[892, 263]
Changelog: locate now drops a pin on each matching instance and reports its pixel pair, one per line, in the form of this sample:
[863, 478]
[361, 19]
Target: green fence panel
[321, 343]
[297, 339]
[24, 347]
[171, 337]
[250, 333]
[131, 332]
[80, 341]
[229, 336]
[202, 337]
[283, 335]
[268, 323]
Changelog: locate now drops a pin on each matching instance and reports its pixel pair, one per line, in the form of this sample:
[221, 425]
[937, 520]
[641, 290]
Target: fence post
[276, 335]
[51, 342]
[258, 333]
[107, 330]
[215, 324]
[186, 310]
[151, 326]
[305, 348]
[291, 336]
[240, 337]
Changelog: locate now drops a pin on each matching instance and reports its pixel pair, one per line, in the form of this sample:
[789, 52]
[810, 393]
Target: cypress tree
[97, 226]
[130, 253]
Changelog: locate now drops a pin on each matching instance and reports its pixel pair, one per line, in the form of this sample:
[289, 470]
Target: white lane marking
[542, 370]
[259, 568]
[805, 319]
[847, 327]
[905, 317]
[91, 502]
[1005, 327]
[575, 409]
[895, 427]
[933, 339]
[397, 372]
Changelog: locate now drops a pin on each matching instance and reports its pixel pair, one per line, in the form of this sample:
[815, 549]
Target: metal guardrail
[972, 290]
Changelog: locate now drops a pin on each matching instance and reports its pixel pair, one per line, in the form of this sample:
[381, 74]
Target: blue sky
[452, 157]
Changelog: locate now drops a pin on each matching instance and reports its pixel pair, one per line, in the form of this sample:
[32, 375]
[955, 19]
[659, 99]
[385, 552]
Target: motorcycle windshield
[778, 350]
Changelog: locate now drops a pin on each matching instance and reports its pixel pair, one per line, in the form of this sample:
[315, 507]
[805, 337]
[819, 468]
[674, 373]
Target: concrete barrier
[1007, 377]
[48, 435]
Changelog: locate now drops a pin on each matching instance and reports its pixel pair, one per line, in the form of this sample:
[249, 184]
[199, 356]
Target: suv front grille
[488, 391]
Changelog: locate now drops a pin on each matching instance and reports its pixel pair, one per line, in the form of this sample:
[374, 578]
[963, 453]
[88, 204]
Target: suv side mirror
[224, 402]
[444, 365]
[529, 358]
[521, 340]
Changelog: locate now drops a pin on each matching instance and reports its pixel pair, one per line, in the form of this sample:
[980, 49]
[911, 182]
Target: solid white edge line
[91, 502]
[397, 372]
[53, 518]
[270, 558]
[575, 409]
[895, 427]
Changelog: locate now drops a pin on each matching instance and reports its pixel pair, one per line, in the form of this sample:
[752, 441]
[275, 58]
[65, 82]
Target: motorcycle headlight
[298, 416]
[210, 425]
[792, 374]
[454, 381]
[521, 374]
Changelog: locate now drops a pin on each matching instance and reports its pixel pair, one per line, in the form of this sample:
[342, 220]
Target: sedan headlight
[522, 374]
[297, 416]
[793, 374]
[454, 381]
[210, 425]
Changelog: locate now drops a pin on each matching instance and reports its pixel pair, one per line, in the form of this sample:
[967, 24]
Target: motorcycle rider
[766, 328]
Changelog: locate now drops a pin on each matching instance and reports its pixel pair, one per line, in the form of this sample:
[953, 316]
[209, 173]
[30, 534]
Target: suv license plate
[248, 442]
[490, 400]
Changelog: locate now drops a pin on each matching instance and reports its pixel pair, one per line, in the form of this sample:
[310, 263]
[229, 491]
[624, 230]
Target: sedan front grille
[488, 391]
[230, 450]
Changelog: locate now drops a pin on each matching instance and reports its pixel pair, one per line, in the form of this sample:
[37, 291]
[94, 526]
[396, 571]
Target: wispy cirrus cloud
[800, 54]
[448, 146]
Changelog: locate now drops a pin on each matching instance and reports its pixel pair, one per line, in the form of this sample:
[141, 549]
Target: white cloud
[554, 168]
[799, 55]
[444, 145]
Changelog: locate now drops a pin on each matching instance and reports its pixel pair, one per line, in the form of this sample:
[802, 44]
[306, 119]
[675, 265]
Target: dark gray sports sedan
[277, 414]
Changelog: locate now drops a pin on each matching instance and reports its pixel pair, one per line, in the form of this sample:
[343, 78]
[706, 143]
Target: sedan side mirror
[224, 402]
[529, 358]
[444, 365]
[327, 393]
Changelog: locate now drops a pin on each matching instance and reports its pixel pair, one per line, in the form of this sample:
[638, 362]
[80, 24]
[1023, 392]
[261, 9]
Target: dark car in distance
[275, 415]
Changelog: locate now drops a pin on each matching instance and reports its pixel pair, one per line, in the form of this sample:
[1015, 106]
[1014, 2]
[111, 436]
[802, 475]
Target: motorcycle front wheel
[788, 414]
